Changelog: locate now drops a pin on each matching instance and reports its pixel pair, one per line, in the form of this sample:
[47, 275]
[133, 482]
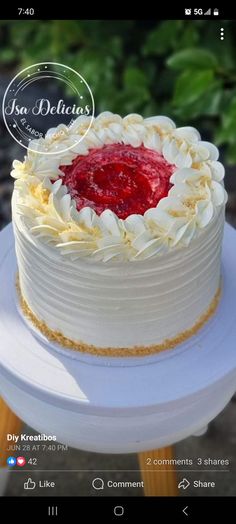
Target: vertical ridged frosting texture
[119, 304]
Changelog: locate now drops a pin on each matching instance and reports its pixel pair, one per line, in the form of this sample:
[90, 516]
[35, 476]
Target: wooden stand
[159, 480]
[9, 423]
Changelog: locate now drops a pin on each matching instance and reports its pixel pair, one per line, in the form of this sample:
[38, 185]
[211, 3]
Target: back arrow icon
[185, 512]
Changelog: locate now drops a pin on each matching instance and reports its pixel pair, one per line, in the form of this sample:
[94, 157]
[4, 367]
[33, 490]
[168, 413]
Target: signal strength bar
[208, 12]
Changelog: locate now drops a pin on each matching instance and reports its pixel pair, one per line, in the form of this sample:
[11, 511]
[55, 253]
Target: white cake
[128, 285]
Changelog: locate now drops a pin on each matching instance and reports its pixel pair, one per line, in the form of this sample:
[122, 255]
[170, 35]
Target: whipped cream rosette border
[48, 211]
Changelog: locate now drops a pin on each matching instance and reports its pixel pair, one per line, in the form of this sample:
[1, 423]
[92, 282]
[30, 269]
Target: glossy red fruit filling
[119, 177]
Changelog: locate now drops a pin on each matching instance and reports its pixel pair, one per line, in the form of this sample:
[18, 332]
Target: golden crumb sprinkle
[135, 351]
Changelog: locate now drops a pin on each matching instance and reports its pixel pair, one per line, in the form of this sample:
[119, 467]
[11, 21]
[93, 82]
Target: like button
[29, 484]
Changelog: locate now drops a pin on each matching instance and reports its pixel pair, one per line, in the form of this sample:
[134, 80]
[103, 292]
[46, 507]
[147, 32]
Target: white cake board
[118, 409]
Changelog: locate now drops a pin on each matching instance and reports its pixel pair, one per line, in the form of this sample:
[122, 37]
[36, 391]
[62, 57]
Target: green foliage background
[178, 68]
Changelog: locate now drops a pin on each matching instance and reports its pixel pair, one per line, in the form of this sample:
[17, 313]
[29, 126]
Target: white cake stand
[118, 409]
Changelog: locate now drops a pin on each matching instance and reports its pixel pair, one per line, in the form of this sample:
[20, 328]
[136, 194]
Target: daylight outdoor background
[178, 68]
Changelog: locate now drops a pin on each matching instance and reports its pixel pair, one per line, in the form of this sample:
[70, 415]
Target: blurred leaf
[192, 59]
[191, 85]
[134, 77]
[115, 47]
[227, 132]
[64, 34]
[207, 104]
[163, 38]
[21, 31]
[231, 154]
[188, 37]
[8, 55]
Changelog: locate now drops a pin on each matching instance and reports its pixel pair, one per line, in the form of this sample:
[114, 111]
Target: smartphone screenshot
[117, 264]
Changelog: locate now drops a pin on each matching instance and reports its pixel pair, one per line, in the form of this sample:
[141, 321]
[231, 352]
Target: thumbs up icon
[29, 484]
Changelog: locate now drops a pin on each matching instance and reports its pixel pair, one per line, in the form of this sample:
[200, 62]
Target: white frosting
[117, 283]
[192, 203]
[119, 304]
